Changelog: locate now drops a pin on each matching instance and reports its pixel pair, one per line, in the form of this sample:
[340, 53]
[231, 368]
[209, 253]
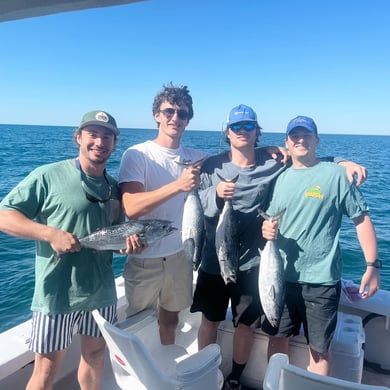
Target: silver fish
[226, 240]
[114, 237]
[192, 231]
[271, 279]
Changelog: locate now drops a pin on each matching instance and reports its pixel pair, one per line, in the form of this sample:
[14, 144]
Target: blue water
[26, 147]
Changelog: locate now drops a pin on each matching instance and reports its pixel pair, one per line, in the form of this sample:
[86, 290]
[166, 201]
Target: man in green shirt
[55, 205]
[315, 194]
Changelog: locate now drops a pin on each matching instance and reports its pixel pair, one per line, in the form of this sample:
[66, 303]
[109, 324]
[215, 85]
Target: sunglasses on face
[88, 194]
[170, 112]
[245, 126]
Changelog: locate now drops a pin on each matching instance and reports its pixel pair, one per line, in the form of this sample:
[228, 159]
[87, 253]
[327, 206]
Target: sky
[327, 59]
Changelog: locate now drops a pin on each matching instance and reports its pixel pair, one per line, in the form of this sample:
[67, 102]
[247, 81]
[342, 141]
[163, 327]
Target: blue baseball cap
[241, 113]
[303, 122]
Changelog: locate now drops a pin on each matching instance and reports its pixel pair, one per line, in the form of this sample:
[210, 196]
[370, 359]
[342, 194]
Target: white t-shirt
[155, 166]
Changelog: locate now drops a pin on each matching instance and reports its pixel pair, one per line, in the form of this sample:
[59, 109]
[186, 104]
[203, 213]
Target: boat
[360, 349]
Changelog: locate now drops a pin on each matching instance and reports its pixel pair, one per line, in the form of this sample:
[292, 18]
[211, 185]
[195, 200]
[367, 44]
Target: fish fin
[190, 163]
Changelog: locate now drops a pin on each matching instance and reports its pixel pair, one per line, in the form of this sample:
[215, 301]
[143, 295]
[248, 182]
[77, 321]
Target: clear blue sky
[328, 59]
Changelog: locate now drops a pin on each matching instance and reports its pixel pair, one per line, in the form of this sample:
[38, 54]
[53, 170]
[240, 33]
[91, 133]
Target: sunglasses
[170, 112]
[245, 126]
[88, 194]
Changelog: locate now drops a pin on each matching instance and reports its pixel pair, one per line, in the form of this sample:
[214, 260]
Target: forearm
[367, 238]
[16, 224]
[138, 204]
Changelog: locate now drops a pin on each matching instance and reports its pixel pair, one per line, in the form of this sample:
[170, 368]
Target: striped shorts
[54, 332]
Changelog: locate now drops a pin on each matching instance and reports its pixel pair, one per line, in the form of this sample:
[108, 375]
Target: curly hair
[174, 95]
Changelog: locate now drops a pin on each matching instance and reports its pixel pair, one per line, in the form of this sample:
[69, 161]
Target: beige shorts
[160, 282]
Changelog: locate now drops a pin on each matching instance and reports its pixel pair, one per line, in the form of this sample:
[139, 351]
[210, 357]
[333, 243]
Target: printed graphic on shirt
[314, 192]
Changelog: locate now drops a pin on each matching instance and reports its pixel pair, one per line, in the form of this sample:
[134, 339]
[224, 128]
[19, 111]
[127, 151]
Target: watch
[376, 263]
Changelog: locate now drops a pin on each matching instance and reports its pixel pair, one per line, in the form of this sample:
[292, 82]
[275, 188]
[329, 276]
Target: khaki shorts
[159, 282]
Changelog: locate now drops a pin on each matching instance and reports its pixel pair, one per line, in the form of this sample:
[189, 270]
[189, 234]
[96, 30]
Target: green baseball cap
[100, 118]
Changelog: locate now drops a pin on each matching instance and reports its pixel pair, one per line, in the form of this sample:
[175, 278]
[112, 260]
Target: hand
[369, 284]
[225, 190]
[270, 230]
[64, 242]
[278, 153]
[189, 179]
[355, 169]
[133, 245]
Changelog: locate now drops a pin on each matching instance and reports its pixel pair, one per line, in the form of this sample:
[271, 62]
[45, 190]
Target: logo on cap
[102, 117]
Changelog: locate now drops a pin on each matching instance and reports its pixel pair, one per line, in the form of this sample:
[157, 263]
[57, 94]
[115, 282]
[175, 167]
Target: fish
[114, 237]
[226, 240]
[192, 230]
[271, 277]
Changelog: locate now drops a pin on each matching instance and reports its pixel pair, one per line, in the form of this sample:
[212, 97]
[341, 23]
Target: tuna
[114, 237]
[226, 241]
[271, 279]
[192, 231]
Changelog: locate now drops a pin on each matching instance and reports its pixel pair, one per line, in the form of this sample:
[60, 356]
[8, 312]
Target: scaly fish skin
[192, 230]
[271, 279]
[226, 241]
[114, 237]
[192, 233]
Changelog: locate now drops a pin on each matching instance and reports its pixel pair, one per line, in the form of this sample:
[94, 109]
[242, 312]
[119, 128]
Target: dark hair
[174, 95]
[258, 134]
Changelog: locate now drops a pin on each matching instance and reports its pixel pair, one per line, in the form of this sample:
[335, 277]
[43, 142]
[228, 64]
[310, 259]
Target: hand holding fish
[270, 229]
[63, 242]
[225, 190]
[189, 179]
[134, 245]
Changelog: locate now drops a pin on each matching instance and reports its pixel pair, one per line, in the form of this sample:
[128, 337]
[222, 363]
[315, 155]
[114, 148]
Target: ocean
[25, 147]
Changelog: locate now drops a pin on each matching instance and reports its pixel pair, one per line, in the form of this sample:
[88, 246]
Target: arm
[278, 153]
[367, 239]
[17, 224]
[138, 202]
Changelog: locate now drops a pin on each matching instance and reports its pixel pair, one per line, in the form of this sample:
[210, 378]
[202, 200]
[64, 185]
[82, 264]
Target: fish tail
[271, 217]
[228, 180]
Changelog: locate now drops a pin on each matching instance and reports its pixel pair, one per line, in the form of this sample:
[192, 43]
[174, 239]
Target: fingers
[362, 175]
[133, 245]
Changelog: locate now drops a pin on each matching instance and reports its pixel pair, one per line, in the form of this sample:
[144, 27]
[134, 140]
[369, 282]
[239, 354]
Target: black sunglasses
[88, 194]
[170, 112]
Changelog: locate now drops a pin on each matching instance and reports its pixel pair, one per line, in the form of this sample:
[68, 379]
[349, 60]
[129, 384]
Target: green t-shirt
[53, 195]
[315, 199]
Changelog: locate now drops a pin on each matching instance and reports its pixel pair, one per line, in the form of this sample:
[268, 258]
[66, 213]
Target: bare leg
[46, 367]
[168, 321]
[91, 362]
[319, 363]
[207, 333]
[277, 345]
[242, 343]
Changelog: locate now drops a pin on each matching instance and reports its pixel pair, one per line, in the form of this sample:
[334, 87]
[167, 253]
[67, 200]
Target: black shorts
[211, 297]
[314, 307]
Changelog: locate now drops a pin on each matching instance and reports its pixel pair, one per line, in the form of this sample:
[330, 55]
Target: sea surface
[26, 147]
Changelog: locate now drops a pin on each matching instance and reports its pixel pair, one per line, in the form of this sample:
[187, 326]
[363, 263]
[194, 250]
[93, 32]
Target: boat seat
[281, 375]
[135, 367]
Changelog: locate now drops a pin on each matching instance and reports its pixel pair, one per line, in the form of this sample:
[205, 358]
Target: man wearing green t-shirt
[316, 195]
[54, 205]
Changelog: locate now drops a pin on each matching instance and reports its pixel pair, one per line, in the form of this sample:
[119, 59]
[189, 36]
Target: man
[315, 195]
[54, 205]
[154, 185]
[256, 170]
